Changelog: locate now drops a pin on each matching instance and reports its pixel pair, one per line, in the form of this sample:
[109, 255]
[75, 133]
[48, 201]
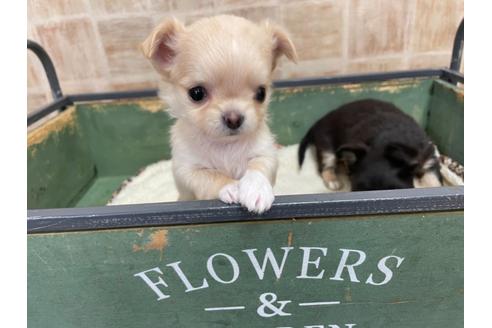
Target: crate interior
[82, 156]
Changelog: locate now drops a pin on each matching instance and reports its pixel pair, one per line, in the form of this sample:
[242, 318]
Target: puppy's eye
[260, 94]
[197, 93]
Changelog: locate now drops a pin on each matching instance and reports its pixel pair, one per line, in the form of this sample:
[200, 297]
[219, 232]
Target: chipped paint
[348, 294]
[396, 86]
[280, 97]
[460, 94]
[352, 88]
[289, 238]
[157, 241]
[293, 90]
[152, 105]
[392, 86]
[388, 86]
[65, 119]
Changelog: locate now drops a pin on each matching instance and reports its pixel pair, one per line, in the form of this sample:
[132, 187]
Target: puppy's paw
[331, 181]
[334, 185]
[230, 193]
[255, 192]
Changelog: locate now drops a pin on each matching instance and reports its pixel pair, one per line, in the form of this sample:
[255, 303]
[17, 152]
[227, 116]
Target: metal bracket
[459, 40]
[49, 68]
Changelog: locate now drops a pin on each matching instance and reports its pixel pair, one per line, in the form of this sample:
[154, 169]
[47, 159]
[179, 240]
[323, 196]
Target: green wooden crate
[366, 259]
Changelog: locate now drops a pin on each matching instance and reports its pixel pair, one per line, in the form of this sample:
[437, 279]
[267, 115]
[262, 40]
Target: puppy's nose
[232, 120]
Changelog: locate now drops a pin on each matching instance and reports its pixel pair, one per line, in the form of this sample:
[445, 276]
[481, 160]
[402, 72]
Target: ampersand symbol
[268, 303]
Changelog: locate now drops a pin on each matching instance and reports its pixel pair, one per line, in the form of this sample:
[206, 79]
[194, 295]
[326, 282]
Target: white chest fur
[192, 148]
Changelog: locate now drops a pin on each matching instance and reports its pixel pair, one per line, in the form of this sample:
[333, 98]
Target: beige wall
[93, 43]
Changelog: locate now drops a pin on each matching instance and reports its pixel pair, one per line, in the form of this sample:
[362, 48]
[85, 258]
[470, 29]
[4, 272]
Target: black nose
[232, 120]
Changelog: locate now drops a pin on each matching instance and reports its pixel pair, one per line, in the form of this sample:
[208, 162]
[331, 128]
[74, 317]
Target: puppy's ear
[352, 153]
[402, 155]
[282, 44]
[160, 46]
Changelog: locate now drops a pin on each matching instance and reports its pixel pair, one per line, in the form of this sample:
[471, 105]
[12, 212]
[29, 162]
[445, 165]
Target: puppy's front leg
[208, 184]
[327, 163]
[255, 187]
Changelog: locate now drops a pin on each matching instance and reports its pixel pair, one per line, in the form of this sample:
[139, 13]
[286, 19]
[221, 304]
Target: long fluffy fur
[231, 57]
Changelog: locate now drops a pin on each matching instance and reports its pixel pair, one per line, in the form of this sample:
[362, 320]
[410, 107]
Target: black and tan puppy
[376, 144]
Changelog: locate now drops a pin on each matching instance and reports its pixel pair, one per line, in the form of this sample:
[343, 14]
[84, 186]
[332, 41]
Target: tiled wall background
[94, 43]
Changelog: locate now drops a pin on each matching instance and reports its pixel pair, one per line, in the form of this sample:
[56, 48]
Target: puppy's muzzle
[233, 120]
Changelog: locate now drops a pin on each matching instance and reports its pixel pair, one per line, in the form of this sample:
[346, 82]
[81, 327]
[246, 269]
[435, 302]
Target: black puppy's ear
[352, 153]
[402, 155]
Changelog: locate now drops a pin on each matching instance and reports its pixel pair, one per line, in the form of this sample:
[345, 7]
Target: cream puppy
[216, 78]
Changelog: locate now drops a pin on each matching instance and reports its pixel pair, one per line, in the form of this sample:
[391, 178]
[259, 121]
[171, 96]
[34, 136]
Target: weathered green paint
[125, 136]
[293, 111]
[100, 191]
[59, 167]
[446, 117]
[86, 279]
[81, 164]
